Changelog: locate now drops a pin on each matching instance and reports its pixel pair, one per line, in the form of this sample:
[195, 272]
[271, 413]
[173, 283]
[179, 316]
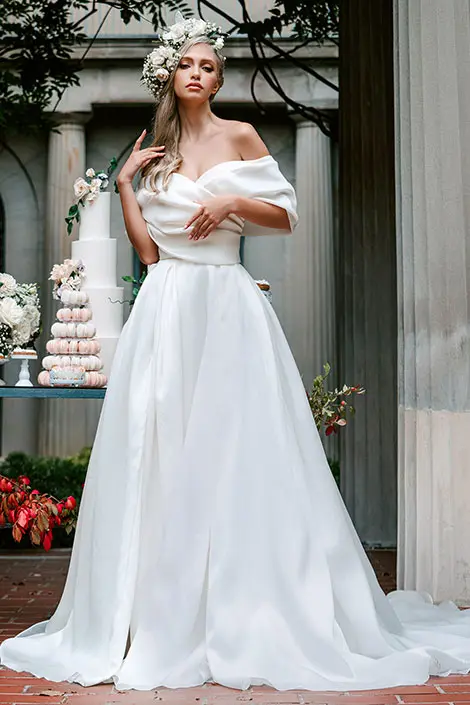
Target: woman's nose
[195, 71]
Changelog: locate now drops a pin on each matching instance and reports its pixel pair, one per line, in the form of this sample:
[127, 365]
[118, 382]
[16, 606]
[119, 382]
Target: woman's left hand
[209, 215]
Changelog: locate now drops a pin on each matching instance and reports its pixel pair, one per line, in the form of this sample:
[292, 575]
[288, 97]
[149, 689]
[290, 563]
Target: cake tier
[73, 298]
[78, 315]
[71, 377]
[108, 310]
[88, 362]
[95, 218]
[74, 346]
[100, 259]
[73, 330]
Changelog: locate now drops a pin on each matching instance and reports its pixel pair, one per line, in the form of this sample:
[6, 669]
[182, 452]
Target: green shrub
[59, 477]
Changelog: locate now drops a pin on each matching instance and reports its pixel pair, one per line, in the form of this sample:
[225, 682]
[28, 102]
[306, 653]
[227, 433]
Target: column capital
[303, 122]
[71, 118]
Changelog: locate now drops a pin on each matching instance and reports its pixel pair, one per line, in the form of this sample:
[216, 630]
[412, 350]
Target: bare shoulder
[246, 140]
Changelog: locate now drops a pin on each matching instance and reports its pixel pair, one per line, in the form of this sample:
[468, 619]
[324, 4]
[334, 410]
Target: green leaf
[112, 166]
[127, 278]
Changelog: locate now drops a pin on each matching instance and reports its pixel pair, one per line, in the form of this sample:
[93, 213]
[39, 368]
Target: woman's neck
[195, 121]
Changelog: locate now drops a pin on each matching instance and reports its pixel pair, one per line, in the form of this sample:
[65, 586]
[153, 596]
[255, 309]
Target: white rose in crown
[10, 313]
[162, 74]
[156, 58]
[8, 284]
[176, 32]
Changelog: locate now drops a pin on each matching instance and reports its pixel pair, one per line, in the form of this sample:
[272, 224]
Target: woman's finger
[200, 227]
[197, 226]
[139, 140]
[153, 150]
[194, 217]
[206, 231]
[153, 155]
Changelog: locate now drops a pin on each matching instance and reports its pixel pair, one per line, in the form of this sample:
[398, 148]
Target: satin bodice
[167, 211]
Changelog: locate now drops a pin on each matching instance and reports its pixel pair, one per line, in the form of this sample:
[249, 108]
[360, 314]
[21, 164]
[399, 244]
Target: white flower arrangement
[87, 190]
[20, 314]
[67, 276]
[162, 60]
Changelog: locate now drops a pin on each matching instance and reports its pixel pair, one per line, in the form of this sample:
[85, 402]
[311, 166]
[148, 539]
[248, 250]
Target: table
[51, 392]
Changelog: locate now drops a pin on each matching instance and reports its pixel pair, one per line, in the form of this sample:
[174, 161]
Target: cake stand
[24, 379]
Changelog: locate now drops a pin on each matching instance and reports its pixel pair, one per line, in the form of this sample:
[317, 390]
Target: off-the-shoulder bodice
[166, 212]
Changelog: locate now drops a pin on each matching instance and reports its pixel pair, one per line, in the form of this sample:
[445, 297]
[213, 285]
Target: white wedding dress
[210, 529]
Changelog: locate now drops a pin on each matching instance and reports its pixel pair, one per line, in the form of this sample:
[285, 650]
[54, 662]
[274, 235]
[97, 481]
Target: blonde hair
[166, 122]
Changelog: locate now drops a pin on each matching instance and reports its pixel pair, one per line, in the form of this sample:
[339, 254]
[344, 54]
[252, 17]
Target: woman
[212, 543]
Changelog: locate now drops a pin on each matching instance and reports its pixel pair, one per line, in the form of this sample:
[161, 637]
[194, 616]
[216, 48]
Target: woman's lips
[194, 85]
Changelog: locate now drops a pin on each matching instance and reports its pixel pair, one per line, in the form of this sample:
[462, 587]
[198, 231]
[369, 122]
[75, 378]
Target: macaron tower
[73, 359]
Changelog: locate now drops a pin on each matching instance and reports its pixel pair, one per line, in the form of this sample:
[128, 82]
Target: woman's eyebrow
[189, 58]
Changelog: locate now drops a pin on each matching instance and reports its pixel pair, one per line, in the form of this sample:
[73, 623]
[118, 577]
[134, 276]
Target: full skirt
[212, 543]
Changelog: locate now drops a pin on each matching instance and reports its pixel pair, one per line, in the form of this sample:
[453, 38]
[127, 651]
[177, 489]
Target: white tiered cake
[98, 252]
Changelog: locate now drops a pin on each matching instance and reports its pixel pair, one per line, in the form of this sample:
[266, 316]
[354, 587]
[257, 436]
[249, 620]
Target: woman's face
[196, 75]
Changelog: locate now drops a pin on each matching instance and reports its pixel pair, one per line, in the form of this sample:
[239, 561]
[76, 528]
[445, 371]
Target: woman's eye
[209, 69]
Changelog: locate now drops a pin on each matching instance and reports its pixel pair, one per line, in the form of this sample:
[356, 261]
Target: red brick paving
[31, 583]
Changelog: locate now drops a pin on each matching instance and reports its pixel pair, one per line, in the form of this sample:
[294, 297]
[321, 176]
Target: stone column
[65, 425]
[432, 82]
[311, 294]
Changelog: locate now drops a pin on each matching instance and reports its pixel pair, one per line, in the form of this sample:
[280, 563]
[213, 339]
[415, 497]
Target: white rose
[90, 173]
[57, 272]
[8, 284]
[80, 188]
[162, 74]
[21, 333]
[177, 31]
[33, 316]
[156, 58]
[92, 196]
[10, 313]
[219, 43]
[198, 27]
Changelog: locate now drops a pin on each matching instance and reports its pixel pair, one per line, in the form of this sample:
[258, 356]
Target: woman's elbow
[147, 258]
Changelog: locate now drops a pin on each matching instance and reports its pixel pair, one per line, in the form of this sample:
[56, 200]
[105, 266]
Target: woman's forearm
[136, 227]
[261, 213]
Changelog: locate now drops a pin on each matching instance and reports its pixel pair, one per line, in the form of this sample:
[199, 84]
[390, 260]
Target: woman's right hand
[138, 158]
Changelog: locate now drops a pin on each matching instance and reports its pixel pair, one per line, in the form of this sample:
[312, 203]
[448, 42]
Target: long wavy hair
[166, 123]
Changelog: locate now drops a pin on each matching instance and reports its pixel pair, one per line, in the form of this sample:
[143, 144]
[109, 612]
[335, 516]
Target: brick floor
[31, 583]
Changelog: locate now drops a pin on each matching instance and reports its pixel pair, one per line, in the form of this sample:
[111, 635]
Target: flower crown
[160, 62]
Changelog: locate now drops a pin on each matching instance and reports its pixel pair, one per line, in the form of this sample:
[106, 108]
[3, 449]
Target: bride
[212, 544]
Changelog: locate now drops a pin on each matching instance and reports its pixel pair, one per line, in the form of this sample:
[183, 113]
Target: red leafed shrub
[30, 512]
